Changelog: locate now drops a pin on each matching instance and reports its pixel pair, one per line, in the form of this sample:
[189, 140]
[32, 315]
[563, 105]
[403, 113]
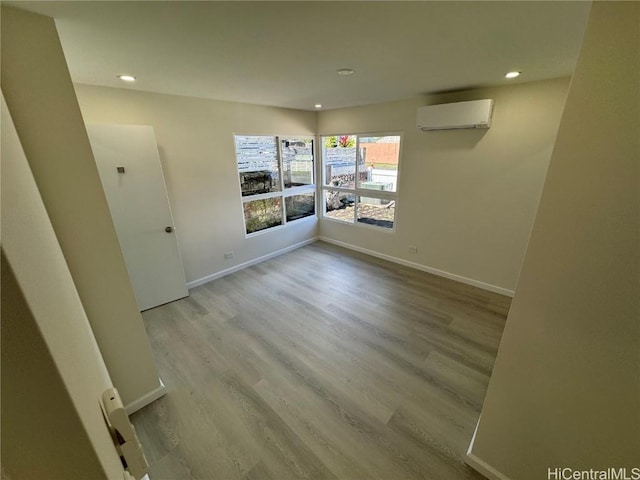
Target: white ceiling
[287, 53]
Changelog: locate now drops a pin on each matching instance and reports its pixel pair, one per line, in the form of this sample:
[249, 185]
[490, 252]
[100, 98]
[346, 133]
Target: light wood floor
[321, 363]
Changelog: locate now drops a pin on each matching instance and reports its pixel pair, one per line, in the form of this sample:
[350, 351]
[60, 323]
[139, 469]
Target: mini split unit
[453, 116]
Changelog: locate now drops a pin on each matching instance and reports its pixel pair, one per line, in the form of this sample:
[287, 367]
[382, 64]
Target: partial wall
[52, 373]
[565, 390]
[40, 96]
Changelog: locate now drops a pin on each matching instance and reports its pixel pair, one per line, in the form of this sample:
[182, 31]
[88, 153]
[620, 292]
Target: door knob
[168, 229]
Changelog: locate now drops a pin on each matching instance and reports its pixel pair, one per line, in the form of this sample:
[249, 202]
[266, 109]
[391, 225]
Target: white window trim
[283, 193]
[359, 192]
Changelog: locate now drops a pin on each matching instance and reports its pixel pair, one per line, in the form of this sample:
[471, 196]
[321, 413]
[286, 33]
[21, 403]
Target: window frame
[283, 192]
[357, 191]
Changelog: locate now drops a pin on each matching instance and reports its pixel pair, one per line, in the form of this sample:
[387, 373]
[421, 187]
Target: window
[276, 180]
[360, 178]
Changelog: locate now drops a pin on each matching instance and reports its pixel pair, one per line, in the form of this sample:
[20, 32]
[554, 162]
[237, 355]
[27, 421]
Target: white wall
[195, 140]
[565, 390]
[467, 197]
[40, 96]
[53, 374]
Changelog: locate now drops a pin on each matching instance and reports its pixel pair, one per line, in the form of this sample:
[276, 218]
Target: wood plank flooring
[320, 364]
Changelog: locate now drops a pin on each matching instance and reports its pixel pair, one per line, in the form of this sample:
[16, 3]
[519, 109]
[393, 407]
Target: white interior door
[131, 173]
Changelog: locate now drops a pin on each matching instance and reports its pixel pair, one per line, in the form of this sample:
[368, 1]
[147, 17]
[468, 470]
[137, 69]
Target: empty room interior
[320, 240]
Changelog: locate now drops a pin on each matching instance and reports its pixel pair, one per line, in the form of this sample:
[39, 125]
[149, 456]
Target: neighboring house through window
[360, 178]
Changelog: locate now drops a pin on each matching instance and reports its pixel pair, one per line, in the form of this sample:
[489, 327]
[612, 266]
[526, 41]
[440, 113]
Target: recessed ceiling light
[127, 78]
[318, 105]
[512, 74]
[345, 71]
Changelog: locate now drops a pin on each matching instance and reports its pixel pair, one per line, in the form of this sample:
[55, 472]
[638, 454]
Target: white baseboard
[406, 263]
[424, 268]
[255, 261]
[146, 399]
[480, 465]
[484, 468]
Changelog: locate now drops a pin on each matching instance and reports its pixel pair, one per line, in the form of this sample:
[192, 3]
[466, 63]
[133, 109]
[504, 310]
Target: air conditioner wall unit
[451, 116]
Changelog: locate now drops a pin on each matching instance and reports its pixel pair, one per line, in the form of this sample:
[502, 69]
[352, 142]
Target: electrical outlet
[413, 249]
[228, 255]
